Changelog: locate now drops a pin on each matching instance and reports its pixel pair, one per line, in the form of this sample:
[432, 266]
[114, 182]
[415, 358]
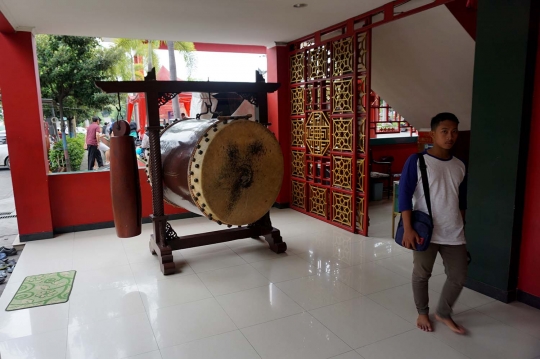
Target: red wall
[529, 266]
[400, 152]
[278, 112]
[21, 101]
[85, 198]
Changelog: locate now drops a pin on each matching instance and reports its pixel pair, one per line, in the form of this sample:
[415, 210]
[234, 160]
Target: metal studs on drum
[200, 152]
[192, 187]
[191, 173]
[196, 180]
[219, 222]
[198, 194]
[207, 139]
[203, 205]
[197, 165]
[229, 225]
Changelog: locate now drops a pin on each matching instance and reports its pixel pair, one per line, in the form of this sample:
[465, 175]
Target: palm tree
[185, 49]
[128, 69]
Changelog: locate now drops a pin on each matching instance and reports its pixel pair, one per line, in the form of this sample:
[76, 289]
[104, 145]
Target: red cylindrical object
[125, 187]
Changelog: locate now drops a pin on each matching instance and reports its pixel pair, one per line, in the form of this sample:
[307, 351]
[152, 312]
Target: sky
[218, 66]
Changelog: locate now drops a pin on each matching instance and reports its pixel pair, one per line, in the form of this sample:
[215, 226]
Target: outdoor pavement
[8, 226]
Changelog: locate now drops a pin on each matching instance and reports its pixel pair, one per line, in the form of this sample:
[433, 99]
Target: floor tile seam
[381, 340]
[339, 301]
[240, 291]
[235, 324]
[219, 304]
[365, 296]
[67, 341]
[102, 290]
[382, 290]
[151, 328]
[286, 280]
[210, 270]
[32, 335]
[274, 259]
[193, 340]
[110, 319]
[273, 320]
[337, 336]
[351, 351]
[303, 310]
[37, 334]
[500, 321]
[323, 306]
[393, 271]
[188, 256]
[148, 310]
[136, 355]
[103, 268]
[93, 321]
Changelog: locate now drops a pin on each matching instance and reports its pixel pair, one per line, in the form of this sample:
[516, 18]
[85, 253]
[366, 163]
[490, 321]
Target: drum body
[228, 171]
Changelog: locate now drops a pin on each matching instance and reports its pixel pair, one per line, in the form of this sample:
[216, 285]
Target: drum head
[241, 173]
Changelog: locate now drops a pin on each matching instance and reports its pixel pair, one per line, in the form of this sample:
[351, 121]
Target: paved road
[8, 226]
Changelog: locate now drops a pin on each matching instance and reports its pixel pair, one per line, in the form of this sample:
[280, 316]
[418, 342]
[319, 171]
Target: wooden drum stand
[164, 239]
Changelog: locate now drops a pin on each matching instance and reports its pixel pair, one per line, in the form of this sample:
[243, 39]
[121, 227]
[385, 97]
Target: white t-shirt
[447, 189]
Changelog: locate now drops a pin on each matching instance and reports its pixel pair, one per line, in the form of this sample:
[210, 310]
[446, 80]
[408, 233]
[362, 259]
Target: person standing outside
[448, 192]
[92, 141]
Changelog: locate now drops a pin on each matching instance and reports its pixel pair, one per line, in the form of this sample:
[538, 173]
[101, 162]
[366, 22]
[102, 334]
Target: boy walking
[448, 192]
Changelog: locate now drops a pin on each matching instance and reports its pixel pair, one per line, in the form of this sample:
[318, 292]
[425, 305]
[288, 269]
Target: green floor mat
[43, 289]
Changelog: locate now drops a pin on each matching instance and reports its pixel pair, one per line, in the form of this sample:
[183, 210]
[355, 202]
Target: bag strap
[425, 183]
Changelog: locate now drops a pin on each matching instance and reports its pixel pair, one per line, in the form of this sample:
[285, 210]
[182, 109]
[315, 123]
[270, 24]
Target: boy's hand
[410, 238]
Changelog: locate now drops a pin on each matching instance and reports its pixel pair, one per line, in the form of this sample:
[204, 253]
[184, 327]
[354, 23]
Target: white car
[4, 156]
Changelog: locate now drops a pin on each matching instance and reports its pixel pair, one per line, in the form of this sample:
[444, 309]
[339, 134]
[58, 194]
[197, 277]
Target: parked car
[4, 156]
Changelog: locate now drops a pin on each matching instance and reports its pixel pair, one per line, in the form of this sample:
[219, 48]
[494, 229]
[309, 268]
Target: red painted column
[529, 265]
[21, 101]
[278, 112]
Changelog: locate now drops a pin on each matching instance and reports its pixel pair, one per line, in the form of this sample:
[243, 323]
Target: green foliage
[75, 151]
[138, 47]
[68, 68]
[126, 68]
[186, 49]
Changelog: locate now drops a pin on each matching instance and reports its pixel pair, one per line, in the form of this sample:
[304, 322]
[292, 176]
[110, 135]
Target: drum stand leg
[270, 234]
[159, 240]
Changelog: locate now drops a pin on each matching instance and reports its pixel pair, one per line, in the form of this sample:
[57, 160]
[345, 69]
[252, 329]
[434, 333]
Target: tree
[69, 67]
[127, 68]
[185, 49]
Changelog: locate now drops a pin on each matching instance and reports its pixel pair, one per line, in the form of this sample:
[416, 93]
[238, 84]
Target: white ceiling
[249, 22]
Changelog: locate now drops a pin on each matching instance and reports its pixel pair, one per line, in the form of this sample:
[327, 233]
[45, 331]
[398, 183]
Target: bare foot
[456, 328]
[424, 323]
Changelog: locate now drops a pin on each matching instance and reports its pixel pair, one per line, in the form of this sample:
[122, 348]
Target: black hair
[443, 116]
[95, 119]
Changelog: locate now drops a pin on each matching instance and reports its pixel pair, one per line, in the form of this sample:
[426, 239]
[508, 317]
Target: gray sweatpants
[455, 266]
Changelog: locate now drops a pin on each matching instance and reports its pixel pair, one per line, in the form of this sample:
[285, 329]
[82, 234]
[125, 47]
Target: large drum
[228, 170]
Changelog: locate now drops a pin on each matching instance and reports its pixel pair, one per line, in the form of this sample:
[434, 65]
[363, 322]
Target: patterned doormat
[43, 289]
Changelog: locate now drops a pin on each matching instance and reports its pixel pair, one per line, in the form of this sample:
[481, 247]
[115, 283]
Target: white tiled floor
[332, 295]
